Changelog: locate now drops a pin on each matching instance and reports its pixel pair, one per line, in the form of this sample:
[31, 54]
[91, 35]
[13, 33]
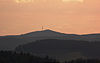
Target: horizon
[46, 30]
[65, 16]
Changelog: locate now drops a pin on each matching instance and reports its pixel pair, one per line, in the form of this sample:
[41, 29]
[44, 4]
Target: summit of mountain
[11, 41]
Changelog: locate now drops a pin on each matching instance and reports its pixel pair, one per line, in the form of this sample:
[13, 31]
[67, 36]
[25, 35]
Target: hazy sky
[66, 16]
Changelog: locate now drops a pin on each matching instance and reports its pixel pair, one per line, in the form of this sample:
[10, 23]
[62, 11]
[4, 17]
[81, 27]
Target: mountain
[62, 49]
[10, 42]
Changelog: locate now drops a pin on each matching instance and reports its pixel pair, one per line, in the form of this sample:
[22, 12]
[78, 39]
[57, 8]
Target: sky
[66, 16]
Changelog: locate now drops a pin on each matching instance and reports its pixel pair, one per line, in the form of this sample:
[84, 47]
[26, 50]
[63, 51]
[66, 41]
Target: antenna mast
[42, 28]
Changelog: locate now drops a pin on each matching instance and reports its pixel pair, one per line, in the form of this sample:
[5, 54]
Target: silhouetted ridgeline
[62, 49]
[13, 57]
[10, 42]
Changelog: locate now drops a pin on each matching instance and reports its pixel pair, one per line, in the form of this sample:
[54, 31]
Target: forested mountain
[10, 42]
[62, 49]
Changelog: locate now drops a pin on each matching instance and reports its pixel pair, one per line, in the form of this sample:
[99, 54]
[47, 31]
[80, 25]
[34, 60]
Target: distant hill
[62, 49]
[10, 42]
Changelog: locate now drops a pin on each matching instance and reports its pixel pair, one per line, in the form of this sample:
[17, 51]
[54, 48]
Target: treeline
[13, 57]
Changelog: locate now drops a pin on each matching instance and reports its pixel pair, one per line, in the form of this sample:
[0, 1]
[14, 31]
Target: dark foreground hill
[13, 57]
[62, 49]
[10, 42]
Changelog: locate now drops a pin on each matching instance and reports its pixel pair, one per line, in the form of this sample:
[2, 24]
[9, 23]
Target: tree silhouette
[13, 57]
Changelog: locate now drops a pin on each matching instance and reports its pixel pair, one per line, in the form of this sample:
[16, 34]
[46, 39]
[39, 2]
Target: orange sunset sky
[69, 16]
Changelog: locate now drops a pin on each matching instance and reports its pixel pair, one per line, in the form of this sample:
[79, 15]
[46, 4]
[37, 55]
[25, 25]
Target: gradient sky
[66, 17]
